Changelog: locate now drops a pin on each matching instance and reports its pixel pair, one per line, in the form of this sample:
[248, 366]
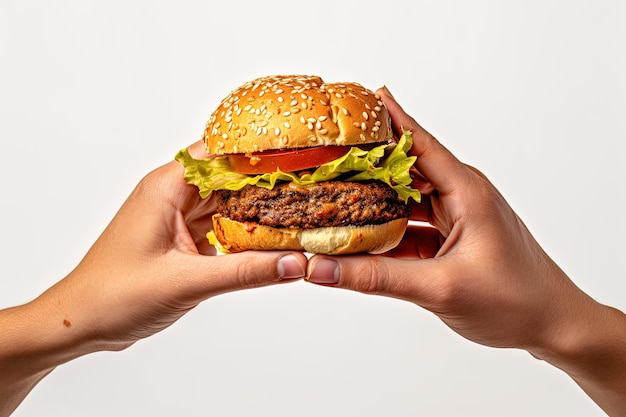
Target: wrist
[31, 346]
[590, 346]
[38, 336]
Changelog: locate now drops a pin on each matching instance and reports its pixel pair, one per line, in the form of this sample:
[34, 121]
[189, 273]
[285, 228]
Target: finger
[410, 280]
[198, 150]
[212, 275]
[419, 242]
[422, 211]
[420, 182]
[434, 161]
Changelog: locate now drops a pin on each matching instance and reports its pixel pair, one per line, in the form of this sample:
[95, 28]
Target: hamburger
[299, 164]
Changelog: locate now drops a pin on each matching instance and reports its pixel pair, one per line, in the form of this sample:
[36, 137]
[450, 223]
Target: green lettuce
[356, 165]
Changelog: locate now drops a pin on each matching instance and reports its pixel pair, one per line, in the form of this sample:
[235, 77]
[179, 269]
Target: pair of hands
[478, 268]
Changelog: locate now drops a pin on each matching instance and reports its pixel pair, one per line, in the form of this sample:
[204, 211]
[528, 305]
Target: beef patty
[331, 203]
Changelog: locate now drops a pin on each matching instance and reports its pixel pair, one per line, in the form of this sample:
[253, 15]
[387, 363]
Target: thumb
[406, 279]
[214, 275]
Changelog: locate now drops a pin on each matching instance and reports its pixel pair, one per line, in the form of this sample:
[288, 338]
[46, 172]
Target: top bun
[296, 111]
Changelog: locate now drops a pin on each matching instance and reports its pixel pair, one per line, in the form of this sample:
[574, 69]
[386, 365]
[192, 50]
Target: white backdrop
[95, 94]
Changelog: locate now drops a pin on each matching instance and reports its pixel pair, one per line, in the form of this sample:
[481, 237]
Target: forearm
[592, 351]
[36, 337]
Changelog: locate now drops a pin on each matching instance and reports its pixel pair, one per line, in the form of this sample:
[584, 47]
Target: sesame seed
[304, 105]
[225, 136]
[294, 103]
[362, 136]
[281, 99]
[287, 125]
[363, 126]
[318, 125]
[259, 131]
[277, 131]
[287, 113]
[323, 131]
[309, 126]
[374, 114]
[322, 118]
[365, 115]
[302, 119]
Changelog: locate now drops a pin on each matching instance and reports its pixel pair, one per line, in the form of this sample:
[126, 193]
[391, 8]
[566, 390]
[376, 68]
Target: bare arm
[149, 267]
[482, 272]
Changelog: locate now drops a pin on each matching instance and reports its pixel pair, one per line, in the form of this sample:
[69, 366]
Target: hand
[481, 271]
[151, 265]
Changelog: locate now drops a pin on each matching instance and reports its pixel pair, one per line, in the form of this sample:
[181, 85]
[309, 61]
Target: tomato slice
[286, 160]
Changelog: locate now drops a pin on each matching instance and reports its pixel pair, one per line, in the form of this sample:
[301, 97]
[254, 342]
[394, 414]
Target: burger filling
[325, 204]
[388, 164]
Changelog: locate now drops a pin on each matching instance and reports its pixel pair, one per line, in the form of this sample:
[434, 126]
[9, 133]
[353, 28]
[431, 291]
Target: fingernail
[387, 92]
[325, 271]
[289, 267]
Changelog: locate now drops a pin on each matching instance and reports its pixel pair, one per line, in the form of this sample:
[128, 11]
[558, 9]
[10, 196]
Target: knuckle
[250, 274]
[373, 278]
[445, 295]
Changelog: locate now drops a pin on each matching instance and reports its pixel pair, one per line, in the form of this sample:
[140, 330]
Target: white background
[94, 94]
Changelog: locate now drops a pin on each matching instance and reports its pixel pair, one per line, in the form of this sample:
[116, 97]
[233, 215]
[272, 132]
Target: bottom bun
[236, 236]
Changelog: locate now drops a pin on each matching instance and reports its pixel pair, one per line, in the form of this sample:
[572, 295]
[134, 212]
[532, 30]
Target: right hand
[481, 271]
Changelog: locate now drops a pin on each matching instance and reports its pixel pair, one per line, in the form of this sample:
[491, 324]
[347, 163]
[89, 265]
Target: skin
[477, 268]
[149, 267]
[481, 271]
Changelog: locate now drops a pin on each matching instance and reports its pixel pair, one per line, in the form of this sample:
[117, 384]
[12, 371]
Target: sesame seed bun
[335, 216]
[289, 111]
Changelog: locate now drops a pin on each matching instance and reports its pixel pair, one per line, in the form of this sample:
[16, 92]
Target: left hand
[153, 263]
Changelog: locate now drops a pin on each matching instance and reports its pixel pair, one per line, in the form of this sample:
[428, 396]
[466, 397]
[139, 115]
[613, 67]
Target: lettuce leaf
[356, 165]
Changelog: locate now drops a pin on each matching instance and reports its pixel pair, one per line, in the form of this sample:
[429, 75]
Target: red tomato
[287, 160]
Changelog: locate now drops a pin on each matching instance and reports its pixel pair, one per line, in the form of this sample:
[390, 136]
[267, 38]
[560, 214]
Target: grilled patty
[331, 203]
